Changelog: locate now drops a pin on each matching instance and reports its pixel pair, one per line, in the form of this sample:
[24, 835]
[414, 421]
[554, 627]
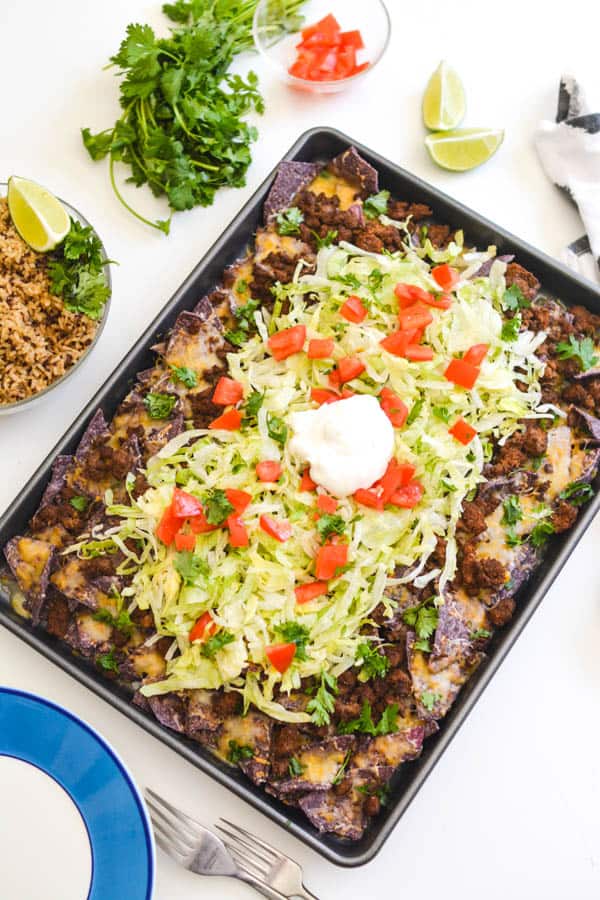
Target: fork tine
[168, 849]
[152, 796]
[177, 829]
[246, 862]
[276, 855]
[171, 839]
[244, 846]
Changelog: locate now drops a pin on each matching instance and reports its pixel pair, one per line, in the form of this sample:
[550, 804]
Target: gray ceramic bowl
[7, 408]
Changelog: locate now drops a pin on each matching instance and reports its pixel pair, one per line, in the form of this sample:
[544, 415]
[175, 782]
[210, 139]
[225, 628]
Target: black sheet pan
[314, 145]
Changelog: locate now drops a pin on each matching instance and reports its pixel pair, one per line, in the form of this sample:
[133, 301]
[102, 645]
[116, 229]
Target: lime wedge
[463, 148]
[39, 217]
[444, 102]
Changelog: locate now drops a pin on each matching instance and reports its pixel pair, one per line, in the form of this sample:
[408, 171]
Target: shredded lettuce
[250, 591]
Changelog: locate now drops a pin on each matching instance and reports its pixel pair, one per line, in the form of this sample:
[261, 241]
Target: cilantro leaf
[429, 699]
[277, 428]
[350, 280]
[330, 523]
[577, 493]
[216, 506]
[480, 634]
[511, 328]
[541, 532]
[423, 619]
[185, 375]
[364, 724]
[513, 298]
[337, 778]
[326, 241]
[582, 350]
[322, 704]
[289, 221]
[252, 406]
[239, 752]
[108, 661]
[415, 411]
[295, 767]
[376, 205]
[159, 406]
[373, 663]
[79, 502]
[76, 270]
[294, 632]
[441, 412]
[190, 566]
[210, 647]
[512, 510]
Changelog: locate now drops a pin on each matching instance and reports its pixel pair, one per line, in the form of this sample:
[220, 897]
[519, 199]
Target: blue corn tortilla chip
[458, 619]
[132, 416]
[351, 166]
[291, 178]
[435, 692]
[344, 813]
[201, 715]
[196, 342]
[485, 267]
[253, 730]
[97, 429]
[30, 561]
[170, 710]
[391, 749]
[60, 467]
[72, 580]
[321, 763]
[89, 636]
[589, 422]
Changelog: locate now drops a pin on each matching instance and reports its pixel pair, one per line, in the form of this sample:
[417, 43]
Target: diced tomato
[409, 294]
[238, 535]
[417, 353]
[444, 301]
[462, 431]
[268, 470]
[280, 529]
[227, 392]
[393, 407]
[394, 477]
[326, 503]
[352, 39]
[306, 482]
[320, 348]
[307, 592]
[240, 500]
[281, 655]
[330, 558]
[462, 373]
[346, 393]
[287, 342]
[328, 26]
[319, 42]
[446, 276]
[203, 628]
[408, 496]
[322, 395]
[334, 378]
[353, 309]
[200, 525]
[300, 68]
[476, 354]
[185, 541]
[397, 343]
[415, 317]
[346, 62]
[370, 497]
[168, 526]
[229, 421]
[350, 367]
[185, 505]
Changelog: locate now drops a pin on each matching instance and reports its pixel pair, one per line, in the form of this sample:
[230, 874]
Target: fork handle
[303, 895]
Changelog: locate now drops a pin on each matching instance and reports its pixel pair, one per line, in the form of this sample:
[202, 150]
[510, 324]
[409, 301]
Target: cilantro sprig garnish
[322, 704]
[376, 205]
[289, 221]
[216, 506]
[212, 646]
[295, 767]
[190, 566]
[512, 513]
[577, 493]
[277, 428]
[159, 406]
[423, 618]
[185, 375]
[246, 324]
[373, 663]
[79, 502]
[121, 621]
[583, 351]
[183, 128]
[108, 661]
[294, 632]
[330, 523]
[364, 724]
[239, 752]
[76, 270]
[514, 298]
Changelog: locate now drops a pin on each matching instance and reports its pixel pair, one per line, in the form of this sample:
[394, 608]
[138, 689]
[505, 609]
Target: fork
[257, 858]
[195, 847]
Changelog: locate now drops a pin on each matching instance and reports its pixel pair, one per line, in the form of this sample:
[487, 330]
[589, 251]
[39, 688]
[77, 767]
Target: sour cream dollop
[348, 444]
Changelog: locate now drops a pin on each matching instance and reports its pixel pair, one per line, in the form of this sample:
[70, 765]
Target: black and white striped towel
[569, 150]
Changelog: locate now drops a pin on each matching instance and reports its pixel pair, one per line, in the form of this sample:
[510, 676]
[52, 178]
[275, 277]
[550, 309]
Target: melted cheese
[333, 186]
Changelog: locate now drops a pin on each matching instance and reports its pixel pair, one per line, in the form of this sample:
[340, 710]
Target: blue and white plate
[72, 826]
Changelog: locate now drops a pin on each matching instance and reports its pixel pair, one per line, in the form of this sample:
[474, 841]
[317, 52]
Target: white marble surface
[514, 806]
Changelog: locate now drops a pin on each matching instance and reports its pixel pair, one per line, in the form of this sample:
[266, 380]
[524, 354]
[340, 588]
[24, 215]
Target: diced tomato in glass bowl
[337, 42]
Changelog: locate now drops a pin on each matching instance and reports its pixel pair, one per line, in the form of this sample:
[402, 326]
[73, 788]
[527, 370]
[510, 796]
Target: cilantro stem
[160, 226]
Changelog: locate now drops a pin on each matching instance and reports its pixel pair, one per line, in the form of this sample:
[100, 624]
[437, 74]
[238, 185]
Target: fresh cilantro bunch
[183, 130]
[76, 270]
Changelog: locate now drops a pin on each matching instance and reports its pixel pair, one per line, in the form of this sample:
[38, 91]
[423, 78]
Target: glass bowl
[27, 402]
[370, 17]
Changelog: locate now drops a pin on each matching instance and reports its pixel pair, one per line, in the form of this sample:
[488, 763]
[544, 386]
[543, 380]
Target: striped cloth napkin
[569, 150]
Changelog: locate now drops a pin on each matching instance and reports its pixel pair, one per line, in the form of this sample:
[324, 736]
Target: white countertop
[514, 806]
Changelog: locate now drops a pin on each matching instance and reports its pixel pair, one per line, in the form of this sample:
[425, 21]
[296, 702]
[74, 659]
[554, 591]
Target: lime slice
[444, 102]
[463, 148]
[39, 217]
